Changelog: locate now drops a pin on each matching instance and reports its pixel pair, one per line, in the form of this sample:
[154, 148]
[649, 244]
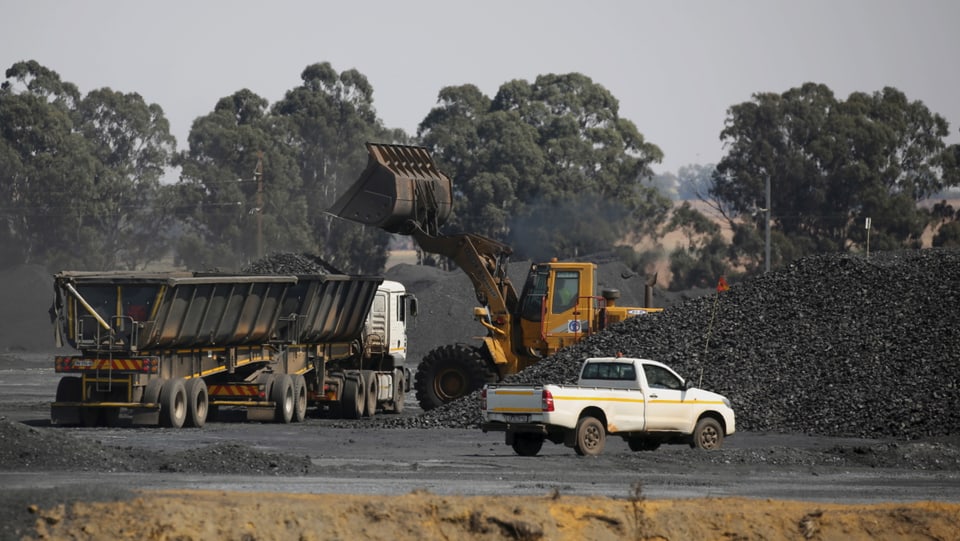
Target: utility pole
[258, 174]
[766, 257]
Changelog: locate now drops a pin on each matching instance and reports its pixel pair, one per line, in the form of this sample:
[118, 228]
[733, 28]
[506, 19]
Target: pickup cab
[642, 401]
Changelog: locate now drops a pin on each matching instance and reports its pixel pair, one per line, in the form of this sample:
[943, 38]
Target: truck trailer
[173, 348]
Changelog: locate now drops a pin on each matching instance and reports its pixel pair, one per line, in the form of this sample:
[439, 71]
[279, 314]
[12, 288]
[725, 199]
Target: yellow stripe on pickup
[597, 399]
[691, 402]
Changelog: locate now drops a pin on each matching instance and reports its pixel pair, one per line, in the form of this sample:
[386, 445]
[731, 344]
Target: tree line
[548, 167]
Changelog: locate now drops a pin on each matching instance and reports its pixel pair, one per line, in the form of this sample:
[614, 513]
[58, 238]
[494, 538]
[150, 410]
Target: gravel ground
[838, 345]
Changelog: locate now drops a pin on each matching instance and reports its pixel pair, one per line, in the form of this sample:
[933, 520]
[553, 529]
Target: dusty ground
[86, 510]
[195, 515]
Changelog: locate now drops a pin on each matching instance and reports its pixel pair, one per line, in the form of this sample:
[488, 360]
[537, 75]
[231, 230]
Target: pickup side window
[661, 378]
[610, 371]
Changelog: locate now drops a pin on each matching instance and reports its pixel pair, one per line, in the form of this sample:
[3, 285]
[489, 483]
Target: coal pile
[290, 263]
[832, 345]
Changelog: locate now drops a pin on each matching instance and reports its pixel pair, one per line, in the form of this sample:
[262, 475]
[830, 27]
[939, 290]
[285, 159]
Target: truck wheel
[708, 434]
[352, 398]
[643, 444]
[450, 372]
[282, 395]
[399, 390]
[591, 436]
[90, 416]
[370, 404]
[69, 389]
[300, 398]
[173, 403]
[527, 444]
[198, 402]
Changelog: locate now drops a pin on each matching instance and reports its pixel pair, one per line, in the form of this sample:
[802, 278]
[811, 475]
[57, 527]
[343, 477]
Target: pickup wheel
[450, 372]
[708, 434]
[527, 444]
[590, 436]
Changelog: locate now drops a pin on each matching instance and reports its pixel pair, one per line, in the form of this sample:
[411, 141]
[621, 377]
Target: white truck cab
[643, 401]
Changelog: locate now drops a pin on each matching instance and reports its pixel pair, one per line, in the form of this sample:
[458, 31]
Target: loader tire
[450, 372]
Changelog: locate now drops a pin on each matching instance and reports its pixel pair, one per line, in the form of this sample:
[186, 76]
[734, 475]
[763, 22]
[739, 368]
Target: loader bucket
[401, 190]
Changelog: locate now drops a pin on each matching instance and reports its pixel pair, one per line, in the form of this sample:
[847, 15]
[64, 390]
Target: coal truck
[179, 348]
[402, 191]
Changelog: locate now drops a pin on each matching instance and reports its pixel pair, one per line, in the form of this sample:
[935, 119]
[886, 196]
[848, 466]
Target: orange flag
[722, 285]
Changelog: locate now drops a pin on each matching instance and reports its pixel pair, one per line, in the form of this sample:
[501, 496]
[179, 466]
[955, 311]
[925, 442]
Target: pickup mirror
[688, 384]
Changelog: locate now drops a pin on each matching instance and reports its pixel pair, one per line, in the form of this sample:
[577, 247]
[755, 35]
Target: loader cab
[557, 306]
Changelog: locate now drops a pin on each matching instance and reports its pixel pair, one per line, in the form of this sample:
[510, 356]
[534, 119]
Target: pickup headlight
[726, 402]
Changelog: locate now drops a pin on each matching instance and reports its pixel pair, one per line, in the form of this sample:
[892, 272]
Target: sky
[675, 66]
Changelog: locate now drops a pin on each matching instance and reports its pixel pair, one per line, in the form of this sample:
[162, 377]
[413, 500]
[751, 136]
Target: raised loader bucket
[401, 190]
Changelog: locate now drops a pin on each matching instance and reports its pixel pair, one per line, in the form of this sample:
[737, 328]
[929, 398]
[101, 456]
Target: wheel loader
[402, 191]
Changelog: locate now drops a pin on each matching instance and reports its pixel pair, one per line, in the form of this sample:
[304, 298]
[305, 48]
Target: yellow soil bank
[201, 515]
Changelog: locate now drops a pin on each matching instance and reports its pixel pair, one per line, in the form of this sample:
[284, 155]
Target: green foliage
[240, 192]
[547, 167]
[326, 122]
[833, 163]
[948, 236]
[79, 174]
[703, 258]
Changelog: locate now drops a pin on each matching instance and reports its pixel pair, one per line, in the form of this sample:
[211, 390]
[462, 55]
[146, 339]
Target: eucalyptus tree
[131, 142]
[79, 174]
[831, 164]
[549, 166]
[240, 195]
[326, 121]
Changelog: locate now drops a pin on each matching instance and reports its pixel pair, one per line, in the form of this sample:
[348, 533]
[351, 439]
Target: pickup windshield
[609, 371]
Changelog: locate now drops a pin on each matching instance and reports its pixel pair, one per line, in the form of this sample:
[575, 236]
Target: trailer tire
[527, 444]
[590, 436]
[282, 395]
[300, 398]
[372, 390]
[351, 399]
[450, 372]
[90, 416]
[69, 389]
[173, 403]
[198, 402]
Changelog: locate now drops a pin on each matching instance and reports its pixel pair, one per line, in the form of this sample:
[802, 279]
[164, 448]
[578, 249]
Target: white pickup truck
[642, 401]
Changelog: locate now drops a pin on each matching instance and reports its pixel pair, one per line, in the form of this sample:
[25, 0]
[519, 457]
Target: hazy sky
[675, 66]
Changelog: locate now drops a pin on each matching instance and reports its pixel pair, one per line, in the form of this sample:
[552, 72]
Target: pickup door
[652, 399]
[618, 389]
[666, 409]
